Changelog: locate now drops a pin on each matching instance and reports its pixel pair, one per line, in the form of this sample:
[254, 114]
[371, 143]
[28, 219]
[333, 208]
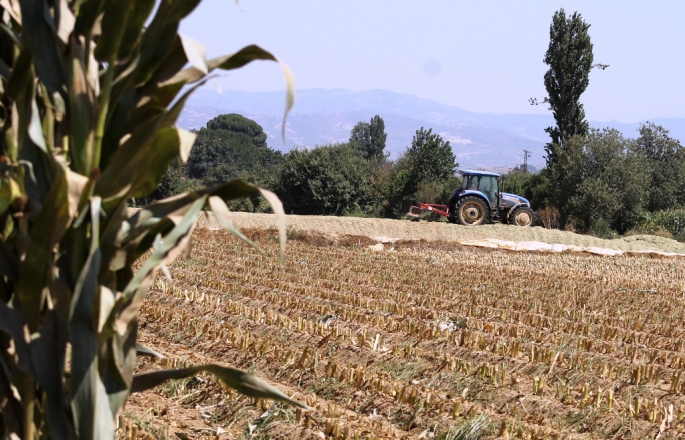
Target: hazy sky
[483, 56]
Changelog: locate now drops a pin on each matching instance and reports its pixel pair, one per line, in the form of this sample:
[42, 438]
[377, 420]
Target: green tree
[323, 181]
[430, 157]
[665, 171]
[537, 189]
[569, 57]
[234, 144]
[90, 94]
[369, 138]
[529, 185]
[605, 180]
[426, 168]
[239, 124]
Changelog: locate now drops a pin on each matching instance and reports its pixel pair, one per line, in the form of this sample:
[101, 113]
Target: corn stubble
[544, 346]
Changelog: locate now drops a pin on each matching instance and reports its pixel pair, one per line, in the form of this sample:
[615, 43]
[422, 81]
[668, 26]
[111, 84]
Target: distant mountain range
[327, 116]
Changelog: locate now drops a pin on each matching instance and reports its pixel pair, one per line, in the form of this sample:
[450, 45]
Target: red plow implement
[416, 211]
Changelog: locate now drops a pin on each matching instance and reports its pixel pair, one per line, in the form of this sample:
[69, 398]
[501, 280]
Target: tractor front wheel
[471, 211]
[522, 216]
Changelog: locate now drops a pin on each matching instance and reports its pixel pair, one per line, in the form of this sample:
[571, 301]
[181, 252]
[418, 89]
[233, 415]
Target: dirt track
[440, 231]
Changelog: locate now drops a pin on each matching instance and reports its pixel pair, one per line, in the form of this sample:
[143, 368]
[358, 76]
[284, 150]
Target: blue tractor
[479, 200]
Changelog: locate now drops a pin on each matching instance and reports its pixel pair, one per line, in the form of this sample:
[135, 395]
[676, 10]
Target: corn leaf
[35, 128]
[82, 117]
[10, 406]
[161, 33]
[43, 43]
[48, 356]
[114, 21]
[187, 139]
[36, 269]
[139, 163]
[13, 324]
[120, 367]
[65, 20]
[89, 400]
[223, 216]
[43, 166]
[12, 8]
[9, 263]
[173, 61]
[195, 53]
[21, 77]
[174, 112]
[169, 88]
[174, 208]
[146, 351]
[277, 207]
[241, 381]
[87, 15]
[92, 90]
[174, 243]
[136, 22]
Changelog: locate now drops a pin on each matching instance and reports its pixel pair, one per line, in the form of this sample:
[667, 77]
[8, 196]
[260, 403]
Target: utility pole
[526, 155]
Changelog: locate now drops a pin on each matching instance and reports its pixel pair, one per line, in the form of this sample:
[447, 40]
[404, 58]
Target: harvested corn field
[424, 340]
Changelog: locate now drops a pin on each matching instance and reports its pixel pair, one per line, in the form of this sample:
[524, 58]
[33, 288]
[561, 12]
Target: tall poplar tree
[569, 57]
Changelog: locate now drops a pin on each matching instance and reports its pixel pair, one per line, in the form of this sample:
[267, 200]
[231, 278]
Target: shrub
[602, 229]
[680, 237]
[437, 192]
[549, 217]
[328, 180]
[663, 233]
[671, 220]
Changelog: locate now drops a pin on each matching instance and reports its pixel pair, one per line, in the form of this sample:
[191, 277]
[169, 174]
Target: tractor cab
[486, 185]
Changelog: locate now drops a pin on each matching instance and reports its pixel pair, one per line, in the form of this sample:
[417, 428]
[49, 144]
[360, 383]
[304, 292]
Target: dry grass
[446, 232]
[418, 341]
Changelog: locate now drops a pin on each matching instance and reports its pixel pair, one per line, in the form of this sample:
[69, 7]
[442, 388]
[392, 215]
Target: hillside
[327, 116]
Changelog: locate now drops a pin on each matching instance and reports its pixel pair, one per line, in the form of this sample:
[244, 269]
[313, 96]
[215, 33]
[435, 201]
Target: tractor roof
[477, 173]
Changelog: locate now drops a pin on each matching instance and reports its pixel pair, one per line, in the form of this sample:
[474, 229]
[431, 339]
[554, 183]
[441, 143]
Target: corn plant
[90, 91]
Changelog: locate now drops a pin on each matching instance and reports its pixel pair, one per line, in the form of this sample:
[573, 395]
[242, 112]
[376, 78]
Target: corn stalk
[89, 97]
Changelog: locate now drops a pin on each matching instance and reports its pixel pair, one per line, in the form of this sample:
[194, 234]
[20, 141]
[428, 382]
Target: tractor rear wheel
[471, 211]
[522, 216]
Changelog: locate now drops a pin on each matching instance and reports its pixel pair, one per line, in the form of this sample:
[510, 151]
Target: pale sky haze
[481, 56]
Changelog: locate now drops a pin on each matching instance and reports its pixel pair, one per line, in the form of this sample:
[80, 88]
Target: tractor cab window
[485, 184]
[470, 182]
[488, 185]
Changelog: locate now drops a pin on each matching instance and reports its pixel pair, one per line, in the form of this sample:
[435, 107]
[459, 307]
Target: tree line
[598, 181]
[595, 181]
[351, 178]
[600, 178]
[606, 184]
